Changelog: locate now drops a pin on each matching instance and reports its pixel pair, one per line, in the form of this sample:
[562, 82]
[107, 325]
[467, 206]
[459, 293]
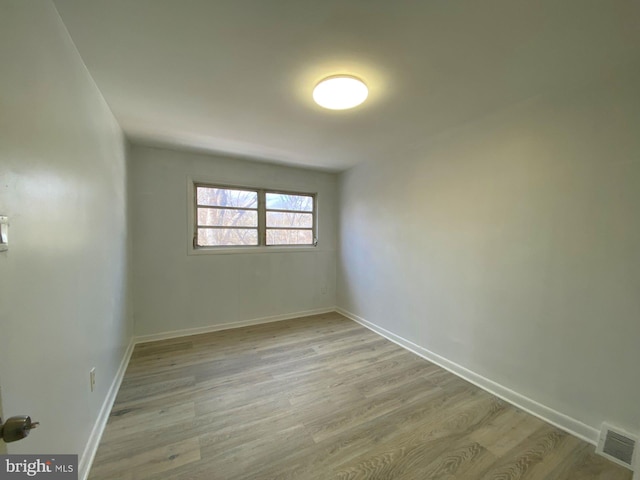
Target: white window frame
[262, 247]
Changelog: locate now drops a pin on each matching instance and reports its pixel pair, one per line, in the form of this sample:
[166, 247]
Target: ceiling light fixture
[340, 92]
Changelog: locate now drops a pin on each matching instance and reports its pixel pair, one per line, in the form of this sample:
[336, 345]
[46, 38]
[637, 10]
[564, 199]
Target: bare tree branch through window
[227, 216]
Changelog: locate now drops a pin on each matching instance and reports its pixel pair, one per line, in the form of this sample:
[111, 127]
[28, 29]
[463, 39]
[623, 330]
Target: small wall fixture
[340, 92]
[4, 233]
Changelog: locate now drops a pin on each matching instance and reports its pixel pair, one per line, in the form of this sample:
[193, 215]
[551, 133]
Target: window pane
[283, 201]
[224, 197]
[227, 217]
[215, 237]
[282, 219]
[289, 237]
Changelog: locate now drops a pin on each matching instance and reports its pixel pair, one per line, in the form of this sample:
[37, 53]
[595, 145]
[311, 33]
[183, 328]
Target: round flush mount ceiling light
[340, 92]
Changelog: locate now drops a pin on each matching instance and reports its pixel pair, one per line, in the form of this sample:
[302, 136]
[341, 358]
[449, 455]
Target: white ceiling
[235, 76]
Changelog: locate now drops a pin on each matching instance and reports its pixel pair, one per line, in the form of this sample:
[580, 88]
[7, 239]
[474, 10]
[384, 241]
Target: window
[246, 217]
[226, 217]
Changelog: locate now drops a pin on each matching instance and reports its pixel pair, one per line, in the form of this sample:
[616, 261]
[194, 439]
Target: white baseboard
[86, 460]
[227, 326]
[549, 415]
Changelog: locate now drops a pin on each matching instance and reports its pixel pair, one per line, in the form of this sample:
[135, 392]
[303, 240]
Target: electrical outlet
[92, 378]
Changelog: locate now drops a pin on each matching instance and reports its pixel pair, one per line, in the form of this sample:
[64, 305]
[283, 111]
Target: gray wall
[511, 246]
[176, 291]
[63, 282]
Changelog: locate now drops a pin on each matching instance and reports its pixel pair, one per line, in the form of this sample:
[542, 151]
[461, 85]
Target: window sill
[250, 250]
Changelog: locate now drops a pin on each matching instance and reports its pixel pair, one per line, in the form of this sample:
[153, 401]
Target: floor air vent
[617, 445]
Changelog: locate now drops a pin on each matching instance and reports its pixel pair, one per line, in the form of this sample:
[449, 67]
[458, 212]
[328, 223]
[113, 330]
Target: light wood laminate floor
[320, 398]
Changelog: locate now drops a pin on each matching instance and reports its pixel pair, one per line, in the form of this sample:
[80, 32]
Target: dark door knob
[16, 428]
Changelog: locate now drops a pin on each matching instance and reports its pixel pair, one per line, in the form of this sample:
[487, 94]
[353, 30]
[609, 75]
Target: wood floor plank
[151, 462]
[321, 398]
[124, 421]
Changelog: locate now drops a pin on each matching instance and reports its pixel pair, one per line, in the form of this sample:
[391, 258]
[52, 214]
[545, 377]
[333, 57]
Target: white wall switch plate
[4, 233]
